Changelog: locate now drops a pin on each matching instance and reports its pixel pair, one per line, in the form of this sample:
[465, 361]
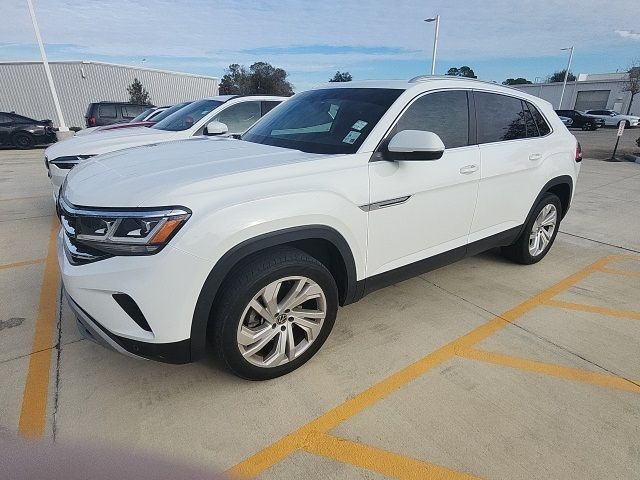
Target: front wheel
[274, 314]
[23, 140]
[539, 232]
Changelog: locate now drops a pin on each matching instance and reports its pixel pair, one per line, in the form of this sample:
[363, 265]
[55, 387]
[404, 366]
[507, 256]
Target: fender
[224, 265]
[563, 179]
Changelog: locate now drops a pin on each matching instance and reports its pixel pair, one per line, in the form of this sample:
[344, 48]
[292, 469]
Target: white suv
[614, 119]
[221, 115]
[253, 243]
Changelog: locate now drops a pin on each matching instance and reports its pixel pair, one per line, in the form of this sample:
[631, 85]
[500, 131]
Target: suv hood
[163, 174]
[107, 141]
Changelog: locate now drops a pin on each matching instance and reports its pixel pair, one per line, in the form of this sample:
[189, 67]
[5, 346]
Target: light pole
[566, 74]
[435, 41]
[47, 71]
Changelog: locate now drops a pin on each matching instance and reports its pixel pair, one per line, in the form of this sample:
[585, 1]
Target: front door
[419, 209]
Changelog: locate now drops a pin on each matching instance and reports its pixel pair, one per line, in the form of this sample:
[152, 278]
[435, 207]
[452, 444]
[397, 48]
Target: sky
[311, 40]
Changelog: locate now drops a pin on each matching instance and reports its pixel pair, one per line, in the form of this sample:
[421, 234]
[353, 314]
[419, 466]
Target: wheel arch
[561, 186]
[320, 241]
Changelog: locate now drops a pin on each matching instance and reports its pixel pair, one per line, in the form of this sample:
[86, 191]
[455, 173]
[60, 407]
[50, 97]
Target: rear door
[512, 149]
[420, 209]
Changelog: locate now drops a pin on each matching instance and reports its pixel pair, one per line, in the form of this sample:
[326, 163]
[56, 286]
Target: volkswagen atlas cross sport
[221, 115]
[249, 245]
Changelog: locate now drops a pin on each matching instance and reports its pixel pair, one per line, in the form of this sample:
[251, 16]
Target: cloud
[628, 34]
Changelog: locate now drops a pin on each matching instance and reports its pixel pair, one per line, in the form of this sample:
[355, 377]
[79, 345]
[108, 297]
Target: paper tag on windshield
[351, 137]
[359, 125]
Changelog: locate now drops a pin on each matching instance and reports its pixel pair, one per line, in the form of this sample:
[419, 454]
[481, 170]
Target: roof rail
[425, 78]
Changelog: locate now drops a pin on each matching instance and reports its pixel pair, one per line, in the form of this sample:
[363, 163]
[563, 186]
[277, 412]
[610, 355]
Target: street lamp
[566, 74]
[47, 71]
[435, 41]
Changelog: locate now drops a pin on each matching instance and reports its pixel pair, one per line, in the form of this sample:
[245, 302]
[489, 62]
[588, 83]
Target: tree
[138, 94]
[632, 84]
[341, 77]
[516, 81]
[559, 77]
[261, 78]
[463, 71]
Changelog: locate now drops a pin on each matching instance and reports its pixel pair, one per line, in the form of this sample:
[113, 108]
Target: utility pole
[566, 75]
[435, 41]
[63, 126]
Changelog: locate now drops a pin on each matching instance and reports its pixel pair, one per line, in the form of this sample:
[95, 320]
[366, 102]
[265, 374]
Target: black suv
[580, 120]
[108, 113]
[24, 132]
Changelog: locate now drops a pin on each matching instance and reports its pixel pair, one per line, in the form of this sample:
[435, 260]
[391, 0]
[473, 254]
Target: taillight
[92, 122]
[578, 152]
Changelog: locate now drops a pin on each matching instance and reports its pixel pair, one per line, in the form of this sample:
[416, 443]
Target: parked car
[145, 119]
[252, 243]
[566, 120]
[221, 115]
[580, 120]
[24, 132]
[614, 119]
[108, 113]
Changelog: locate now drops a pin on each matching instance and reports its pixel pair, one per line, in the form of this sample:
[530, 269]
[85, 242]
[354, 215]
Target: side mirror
[216, 128]
[415, 145]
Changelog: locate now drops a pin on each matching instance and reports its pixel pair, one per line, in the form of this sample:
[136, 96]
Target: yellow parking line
[36, 390]
[619, 271]
[275, 452]
[599, 379]
[583, 307]
[377, 460]
[22, 264]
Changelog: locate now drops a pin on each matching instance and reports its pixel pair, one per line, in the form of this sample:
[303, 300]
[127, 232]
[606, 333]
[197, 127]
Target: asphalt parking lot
[482, 369]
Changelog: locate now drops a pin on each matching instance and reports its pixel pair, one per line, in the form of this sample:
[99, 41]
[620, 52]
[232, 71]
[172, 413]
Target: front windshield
[332, 120]
[142, 116]
[187, 117]
[165, 113]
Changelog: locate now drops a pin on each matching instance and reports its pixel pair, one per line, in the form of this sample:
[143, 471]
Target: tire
[524, 250]
[285, 342]
[23, 140]
[626, 123]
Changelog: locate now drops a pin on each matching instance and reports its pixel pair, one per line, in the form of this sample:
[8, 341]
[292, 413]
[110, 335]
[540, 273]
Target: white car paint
[237, 191]
[120, 139]
[613, 118]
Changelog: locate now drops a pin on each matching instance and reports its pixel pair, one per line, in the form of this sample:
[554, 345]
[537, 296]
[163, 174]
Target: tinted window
[543, 126]
[108, 111]
[530, 125]
[187, 117]
[131, 111]
[327, 120]
[4, 118]
[499, 117]
[169, 111]
[143, 115]
[268, 106]
[443, 113]
[240, 116]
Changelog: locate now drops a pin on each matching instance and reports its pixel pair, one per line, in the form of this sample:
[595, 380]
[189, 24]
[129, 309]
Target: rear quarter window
[107, 111]
[543, 126]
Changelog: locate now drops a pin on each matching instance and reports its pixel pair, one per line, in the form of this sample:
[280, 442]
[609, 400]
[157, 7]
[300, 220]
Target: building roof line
[94, 62]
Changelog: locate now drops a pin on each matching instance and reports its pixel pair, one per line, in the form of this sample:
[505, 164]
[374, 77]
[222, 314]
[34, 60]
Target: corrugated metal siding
[24, 88]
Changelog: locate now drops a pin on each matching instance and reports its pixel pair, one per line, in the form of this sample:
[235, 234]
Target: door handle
[535, 156]
[467, 169]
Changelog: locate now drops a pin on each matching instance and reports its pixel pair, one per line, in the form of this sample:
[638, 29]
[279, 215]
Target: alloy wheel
[281, 321]
[543, 228]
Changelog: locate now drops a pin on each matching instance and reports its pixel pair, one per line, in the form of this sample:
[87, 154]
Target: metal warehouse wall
[24, 88]
[551, 92]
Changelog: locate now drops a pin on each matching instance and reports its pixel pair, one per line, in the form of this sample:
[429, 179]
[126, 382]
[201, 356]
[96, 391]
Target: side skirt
[406, 272]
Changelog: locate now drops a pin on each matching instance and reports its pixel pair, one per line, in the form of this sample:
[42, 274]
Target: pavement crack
[531, 332]
[598, 241]
[56, 386]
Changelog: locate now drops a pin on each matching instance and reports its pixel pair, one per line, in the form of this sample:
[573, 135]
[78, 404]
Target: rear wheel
[23, 140]
[274, 314]
[626, 123]
[538, 234]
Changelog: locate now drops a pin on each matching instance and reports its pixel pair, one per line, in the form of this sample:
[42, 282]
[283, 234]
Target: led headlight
[67, 163]
[121, 232]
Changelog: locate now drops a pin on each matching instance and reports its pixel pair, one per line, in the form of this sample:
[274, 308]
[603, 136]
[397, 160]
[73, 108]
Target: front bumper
[165, 288]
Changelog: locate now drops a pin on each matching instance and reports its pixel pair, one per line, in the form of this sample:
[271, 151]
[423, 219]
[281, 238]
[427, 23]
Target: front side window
[240, 116]
[443, 113]
[500, 118]
[187, 117]
[328, 120]
[107, 111]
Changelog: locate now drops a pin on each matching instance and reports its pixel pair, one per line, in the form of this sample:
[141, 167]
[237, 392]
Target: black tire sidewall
[523, 243]
[28, 140]
[227, 323]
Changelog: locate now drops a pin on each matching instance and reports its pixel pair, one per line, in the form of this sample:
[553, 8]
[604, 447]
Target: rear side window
[107, 111]
[443, 113]
[500, 118]
[543, 126]
[268, 106]
[4, 118]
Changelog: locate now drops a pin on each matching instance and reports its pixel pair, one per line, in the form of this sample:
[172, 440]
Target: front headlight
[121, 232]
[67, 163]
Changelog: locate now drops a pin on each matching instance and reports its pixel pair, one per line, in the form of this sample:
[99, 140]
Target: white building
[589, 92]
[24, 88]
